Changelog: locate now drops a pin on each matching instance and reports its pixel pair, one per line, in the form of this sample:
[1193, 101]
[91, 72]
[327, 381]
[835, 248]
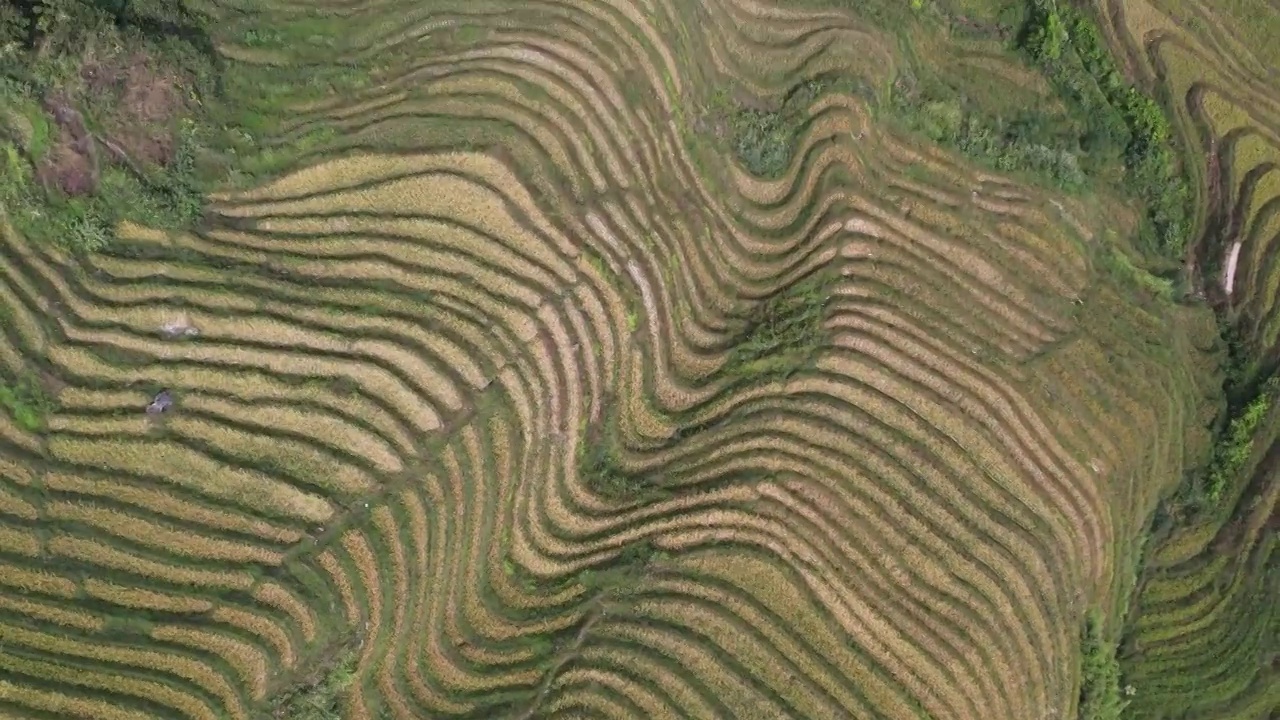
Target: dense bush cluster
[321, 700]
[601, 470]
[763, 140]
[781, 334]
[26, 402]
[1111, 122]
[1119, 117]
[1023, 144]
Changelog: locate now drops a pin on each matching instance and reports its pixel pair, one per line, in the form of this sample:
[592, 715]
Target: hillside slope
[592, 360]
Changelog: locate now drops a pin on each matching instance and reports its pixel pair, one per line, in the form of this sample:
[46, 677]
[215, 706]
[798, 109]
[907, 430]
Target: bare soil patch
[121, 108]
[71, 163]
[148, 101]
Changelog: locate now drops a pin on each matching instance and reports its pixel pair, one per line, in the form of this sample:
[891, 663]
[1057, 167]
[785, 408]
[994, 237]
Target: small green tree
[1048, 36]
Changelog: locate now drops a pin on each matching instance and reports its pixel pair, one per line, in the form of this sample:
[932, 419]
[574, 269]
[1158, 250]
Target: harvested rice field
[632, 359]
[1203, 626]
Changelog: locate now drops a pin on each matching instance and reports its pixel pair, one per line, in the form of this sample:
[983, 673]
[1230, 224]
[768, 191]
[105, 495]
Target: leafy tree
[14, 24]
[1047, 38]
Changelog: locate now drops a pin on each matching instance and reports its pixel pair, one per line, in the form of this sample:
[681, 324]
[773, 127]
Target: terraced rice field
[469, 400]
[1224, 82]
[1204, 625]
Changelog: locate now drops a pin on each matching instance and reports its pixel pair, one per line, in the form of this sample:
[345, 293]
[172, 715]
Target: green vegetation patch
[1122, 268]
[1120, 119]
[782, 334]
[603, 472]
[1232, 452]
[1101, 697]
[26, 402]
[321, 698]
[625, 573]
[763, 139]
[762, 135]
[1030, 142]
[1110, 136]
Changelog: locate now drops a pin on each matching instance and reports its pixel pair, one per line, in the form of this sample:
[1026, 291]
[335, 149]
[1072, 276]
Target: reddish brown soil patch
[150, 97]
[149, 101]
[71, 164]
[59, 105]
[140, 100]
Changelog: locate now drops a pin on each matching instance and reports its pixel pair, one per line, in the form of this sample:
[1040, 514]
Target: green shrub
[1100, 692]
[322, 699]
[1027, 143]
[601, 471]
[764, 140]
[1235, 446]
[1047, 37]
[942, 120]
[27, 403]
[781, 334]
[624, 573]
